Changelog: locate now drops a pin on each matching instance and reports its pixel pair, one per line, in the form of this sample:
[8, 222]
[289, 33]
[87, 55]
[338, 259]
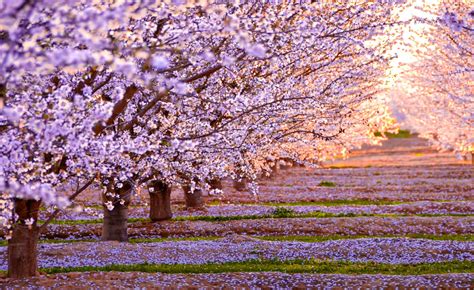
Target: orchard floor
[399, 215]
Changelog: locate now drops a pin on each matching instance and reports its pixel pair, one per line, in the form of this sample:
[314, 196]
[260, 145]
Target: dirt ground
[265, 280]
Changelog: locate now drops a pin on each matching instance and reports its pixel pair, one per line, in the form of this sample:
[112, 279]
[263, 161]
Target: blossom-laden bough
[436, 91]
[158, 94]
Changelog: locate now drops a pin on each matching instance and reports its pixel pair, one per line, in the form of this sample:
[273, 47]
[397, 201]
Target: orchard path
[393, 206]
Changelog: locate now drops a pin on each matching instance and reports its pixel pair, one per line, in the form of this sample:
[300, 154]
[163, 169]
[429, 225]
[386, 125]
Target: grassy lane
[294, 266]
[316, 239]
[278, 213]
[307, 239]
[336, 202]
[344, 202]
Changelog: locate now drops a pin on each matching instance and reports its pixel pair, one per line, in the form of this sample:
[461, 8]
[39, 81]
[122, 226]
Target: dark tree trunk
[275, 167]
[22, 252]
[273, 170]
[114, 227]
[240, 185]
[193, 199]
[288, 163]
[115, 224]
[22, 247]
[216, 184]
[160, 201]
[27, 209]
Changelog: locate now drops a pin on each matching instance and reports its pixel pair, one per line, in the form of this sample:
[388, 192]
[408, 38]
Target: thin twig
[71, 198]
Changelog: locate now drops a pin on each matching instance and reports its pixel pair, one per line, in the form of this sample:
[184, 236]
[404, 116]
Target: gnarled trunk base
[114, 227]
[287, 164]
[193, 199]
[240, 185]
[22, 252]
[216, 184]
[160, 201]
[274, 170]
[22, 247]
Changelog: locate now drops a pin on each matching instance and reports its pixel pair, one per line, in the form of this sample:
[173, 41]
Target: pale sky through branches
[430, 82]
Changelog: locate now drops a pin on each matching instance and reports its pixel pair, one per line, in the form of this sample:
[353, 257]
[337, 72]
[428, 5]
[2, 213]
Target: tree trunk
[22, 247]
[240, 185]
[216, 184]
[193, 199]
[160, 201]
[115, 224]
[288, 163]
[114, 227]
[275, 167]
[273, 170]
[22, 252]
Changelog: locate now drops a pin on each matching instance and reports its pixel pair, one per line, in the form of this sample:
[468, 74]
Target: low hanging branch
[71, 198]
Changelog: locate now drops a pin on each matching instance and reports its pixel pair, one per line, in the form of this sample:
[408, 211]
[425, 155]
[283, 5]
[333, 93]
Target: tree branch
[71, 198]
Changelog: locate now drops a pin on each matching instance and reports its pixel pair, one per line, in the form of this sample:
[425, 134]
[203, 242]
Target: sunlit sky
[411, 39]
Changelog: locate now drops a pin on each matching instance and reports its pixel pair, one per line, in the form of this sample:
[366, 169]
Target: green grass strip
[400, 134]
[316, 239]
[294, 266]
[337, 202]
[287, 214]
[307, 239]
[133, 241]
[159, 240]
[314, 214]
[332, 203]
[325, 183]
[304, 215]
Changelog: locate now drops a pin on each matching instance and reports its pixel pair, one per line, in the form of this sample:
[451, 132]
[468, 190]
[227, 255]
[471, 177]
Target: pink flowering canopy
[124, 92]
[436, 88]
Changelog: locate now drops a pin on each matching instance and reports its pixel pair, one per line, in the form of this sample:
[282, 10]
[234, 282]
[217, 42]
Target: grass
[74, 222]
[158, 240]
[315, 214]
[347, 166]
[283, 212]
[342, 167]
[288, 213]
[293, 266]
[54, 241]
[307, 239]
[316, 239]
[400, 134]
[327, 184]
[278, 214]
[133, 241]
[337, 202]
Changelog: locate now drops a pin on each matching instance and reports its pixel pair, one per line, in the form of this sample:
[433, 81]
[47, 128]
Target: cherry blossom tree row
[437, 96]
[151, 93]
